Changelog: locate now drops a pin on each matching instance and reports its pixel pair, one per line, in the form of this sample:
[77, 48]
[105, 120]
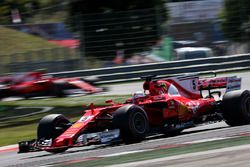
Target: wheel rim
[139, 122]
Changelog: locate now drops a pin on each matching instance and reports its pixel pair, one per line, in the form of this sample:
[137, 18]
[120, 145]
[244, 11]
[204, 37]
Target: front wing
[105, 137]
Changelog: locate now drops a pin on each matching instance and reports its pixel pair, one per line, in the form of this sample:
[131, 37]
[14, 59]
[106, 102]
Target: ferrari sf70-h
[167, 106]
[33, 84]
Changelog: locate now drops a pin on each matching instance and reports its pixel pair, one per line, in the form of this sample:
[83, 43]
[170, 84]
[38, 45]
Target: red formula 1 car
[166, 106]
[39, 84]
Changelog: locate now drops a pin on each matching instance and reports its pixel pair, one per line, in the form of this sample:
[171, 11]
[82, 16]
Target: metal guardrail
[134, 72]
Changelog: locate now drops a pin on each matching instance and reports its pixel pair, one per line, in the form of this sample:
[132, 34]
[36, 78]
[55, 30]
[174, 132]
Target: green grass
[13, 41]
[13, 136]
[18, 47]
[160, 153]
[67, 101]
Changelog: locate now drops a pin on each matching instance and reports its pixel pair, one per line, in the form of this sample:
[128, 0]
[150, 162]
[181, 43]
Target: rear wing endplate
[233, 83]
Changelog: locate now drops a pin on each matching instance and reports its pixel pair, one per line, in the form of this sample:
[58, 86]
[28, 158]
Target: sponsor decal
[233, 83]
[77, 125]
[109, 135]
[194, 84]
[85, 118]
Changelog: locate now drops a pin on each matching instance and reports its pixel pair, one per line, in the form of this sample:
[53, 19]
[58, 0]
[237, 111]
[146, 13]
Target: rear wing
[230, 83]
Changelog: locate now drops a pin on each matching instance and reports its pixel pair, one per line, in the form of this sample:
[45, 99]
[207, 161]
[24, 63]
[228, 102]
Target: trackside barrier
[134, 72]
[213, 73]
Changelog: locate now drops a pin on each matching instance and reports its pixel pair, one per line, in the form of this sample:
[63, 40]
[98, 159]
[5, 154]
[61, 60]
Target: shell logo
[77, 125]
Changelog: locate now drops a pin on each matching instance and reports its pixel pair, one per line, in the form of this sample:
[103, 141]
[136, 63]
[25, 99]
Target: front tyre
[235, 107]
[133, 123]
[50, 127]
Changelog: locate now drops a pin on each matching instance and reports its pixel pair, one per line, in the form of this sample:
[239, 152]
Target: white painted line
[127, 152]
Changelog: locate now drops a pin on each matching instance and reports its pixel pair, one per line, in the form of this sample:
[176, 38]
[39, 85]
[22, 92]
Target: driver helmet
[159, 87]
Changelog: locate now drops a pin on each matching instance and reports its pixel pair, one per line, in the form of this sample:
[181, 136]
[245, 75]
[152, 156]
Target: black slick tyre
[235, 107]
[132, 122]
[50, 127]
[4, 93]
[58, 90]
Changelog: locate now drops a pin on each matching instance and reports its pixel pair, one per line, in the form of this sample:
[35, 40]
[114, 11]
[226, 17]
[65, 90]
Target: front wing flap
[28, 146]
[105, 137]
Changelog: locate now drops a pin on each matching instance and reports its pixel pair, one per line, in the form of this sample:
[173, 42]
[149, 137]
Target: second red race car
[32, 84]
[167, 106]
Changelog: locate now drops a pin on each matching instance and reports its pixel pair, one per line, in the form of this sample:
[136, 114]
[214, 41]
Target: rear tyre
[132, 122]
[58, 90]
[4, 93]
[50, 127]
[235, 107]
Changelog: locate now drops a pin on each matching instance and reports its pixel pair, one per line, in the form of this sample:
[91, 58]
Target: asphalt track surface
[234, 156]
[217, 130]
